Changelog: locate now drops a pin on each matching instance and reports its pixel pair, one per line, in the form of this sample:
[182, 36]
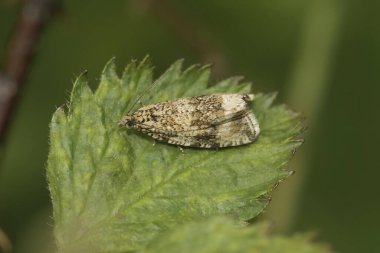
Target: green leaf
[113, 190]
[223, 235]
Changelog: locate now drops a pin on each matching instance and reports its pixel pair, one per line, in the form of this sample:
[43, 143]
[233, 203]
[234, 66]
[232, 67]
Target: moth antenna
[145, 91]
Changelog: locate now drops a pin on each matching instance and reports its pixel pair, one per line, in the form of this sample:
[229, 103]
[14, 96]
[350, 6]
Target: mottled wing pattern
[230, 133]
[202, 121]
[180, 115]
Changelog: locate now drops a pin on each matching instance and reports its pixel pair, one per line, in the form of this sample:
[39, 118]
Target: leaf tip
[79, 88]
[109, 70]
[176, 66]
[59, 116]
[146, 61]
[270, 98]
[79, 83]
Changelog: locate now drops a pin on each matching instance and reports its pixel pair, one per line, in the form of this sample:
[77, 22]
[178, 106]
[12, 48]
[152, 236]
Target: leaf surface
[223, 235]
[113, 190]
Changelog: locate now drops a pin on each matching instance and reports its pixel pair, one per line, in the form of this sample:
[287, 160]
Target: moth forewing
[209, 121]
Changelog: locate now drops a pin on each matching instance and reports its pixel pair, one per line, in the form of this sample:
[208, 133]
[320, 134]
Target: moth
[208, 121]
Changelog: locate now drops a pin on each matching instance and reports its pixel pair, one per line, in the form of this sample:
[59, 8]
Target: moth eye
[130, 124]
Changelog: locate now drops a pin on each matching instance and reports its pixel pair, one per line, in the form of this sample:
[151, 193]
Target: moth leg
[181, 149]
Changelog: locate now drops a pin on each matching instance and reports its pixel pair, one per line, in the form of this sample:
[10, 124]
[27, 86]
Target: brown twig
[33, 17]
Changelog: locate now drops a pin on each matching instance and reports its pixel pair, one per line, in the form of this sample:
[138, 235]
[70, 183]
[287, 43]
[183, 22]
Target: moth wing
[229, 117]
[208, 128]
[236, 129]
[192, 114]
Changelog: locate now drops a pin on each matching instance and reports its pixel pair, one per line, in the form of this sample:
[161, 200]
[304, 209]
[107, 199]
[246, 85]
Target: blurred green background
[322, 56]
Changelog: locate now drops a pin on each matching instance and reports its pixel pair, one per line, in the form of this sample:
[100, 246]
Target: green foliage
[113, 190]
[222, 235]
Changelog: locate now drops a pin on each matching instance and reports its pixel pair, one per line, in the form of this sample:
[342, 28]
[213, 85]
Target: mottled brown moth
[208, 121]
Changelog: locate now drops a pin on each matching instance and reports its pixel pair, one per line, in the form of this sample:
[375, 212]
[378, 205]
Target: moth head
[127, 121]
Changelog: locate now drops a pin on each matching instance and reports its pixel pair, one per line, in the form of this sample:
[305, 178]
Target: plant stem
[307, 91]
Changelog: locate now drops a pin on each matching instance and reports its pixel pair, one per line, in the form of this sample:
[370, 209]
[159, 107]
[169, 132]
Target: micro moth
[208, 121]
